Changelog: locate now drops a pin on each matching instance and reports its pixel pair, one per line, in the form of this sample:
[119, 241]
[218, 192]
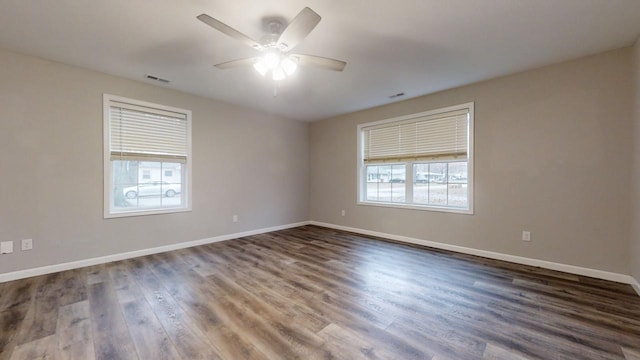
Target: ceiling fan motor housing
[274, 27]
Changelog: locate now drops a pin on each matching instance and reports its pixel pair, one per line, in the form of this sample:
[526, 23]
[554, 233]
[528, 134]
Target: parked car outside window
[155, 188]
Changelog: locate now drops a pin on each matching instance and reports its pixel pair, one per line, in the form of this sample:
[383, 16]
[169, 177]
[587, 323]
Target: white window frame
[186, 186]
[408, 204]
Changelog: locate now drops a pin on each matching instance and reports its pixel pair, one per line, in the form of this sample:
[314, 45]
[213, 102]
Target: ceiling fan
[277, 61]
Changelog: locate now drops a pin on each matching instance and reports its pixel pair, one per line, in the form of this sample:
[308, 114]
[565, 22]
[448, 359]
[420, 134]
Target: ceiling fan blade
[319, 61]
[237, 63]
[298, 29]
[228, 30]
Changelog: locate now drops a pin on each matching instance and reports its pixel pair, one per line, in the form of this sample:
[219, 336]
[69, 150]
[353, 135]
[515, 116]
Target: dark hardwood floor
[316, 293]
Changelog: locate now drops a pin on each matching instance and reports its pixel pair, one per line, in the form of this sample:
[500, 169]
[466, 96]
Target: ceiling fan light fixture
[271, 60]
[278, 65]
[261, 67]
[288, 65]
[278, 74]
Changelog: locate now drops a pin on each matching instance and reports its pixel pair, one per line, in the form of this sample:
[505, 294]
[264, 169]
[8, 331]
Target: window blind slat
[438, 136]
[147, 157]
[146, 109]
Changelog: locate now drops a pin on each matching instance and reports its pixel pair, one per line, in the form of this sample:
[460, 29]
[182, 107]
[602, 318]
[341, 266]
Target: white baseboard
[635, 284]
[605, 275]
[599, 274]
[21, 274]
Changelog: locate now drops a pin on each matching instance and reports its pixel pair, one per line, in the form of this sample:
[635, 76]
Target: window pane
[442, 184]
[397, 183]
[421, 179]
[384, 187]
[171, 184]
[141, 185]
[125, 182]
[386, 183]
[457, 195]
[373, 180]
[458, 172]
[438, 172]
[437, 194]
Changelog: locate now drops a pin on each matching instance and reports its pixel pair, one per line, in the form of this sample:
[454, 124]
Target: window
[420, 161]
[147, 158]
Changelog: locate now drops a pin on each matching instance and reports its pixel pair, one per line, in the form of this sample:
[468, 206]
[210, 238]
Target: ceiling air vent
[156, 78]
[396, 95]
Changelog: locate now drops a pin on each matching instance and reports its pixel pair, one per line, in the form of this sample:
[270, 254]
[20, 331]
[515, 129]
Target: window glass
[386, 183]
[132, 189]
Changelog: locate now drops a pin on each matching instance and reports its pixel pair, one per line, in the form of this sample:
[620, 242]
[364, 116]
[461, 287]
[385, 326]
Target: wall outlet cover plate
[6, 247]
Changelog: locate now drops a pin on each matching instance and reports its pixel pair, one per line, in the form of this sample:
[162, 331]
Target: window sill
[145, 212]
[417, 207]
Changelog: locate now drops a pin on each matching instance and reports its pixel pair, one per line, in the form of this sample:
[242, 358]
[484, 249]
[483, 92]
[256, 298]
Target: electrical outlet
[526, 235]
[27, 244]
[343, 213]
[6, 247]
[235, 218]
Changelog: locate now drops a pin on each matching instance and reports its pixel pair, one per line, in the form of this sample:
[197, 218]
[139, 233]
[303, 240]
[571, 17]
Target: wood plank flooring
[316, 293]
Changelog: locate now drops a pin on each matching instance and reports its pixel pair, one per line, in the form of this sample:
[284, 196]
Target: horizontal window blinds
[141, 133]
[440, 136]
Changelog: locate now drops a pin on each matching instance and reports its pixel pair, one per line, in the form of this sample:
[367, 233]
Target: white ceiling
[412, 46]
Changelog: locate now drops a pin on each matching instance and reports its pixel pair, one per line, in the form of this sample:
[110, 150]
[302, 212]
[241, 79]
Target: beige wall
[244, 162]
[552, 155]
[635, 221]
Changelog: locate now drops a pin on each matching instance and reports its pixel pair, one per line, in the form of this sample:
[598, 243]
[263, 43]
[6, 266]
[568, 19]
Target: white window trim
[470, 171]
[106, 100]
